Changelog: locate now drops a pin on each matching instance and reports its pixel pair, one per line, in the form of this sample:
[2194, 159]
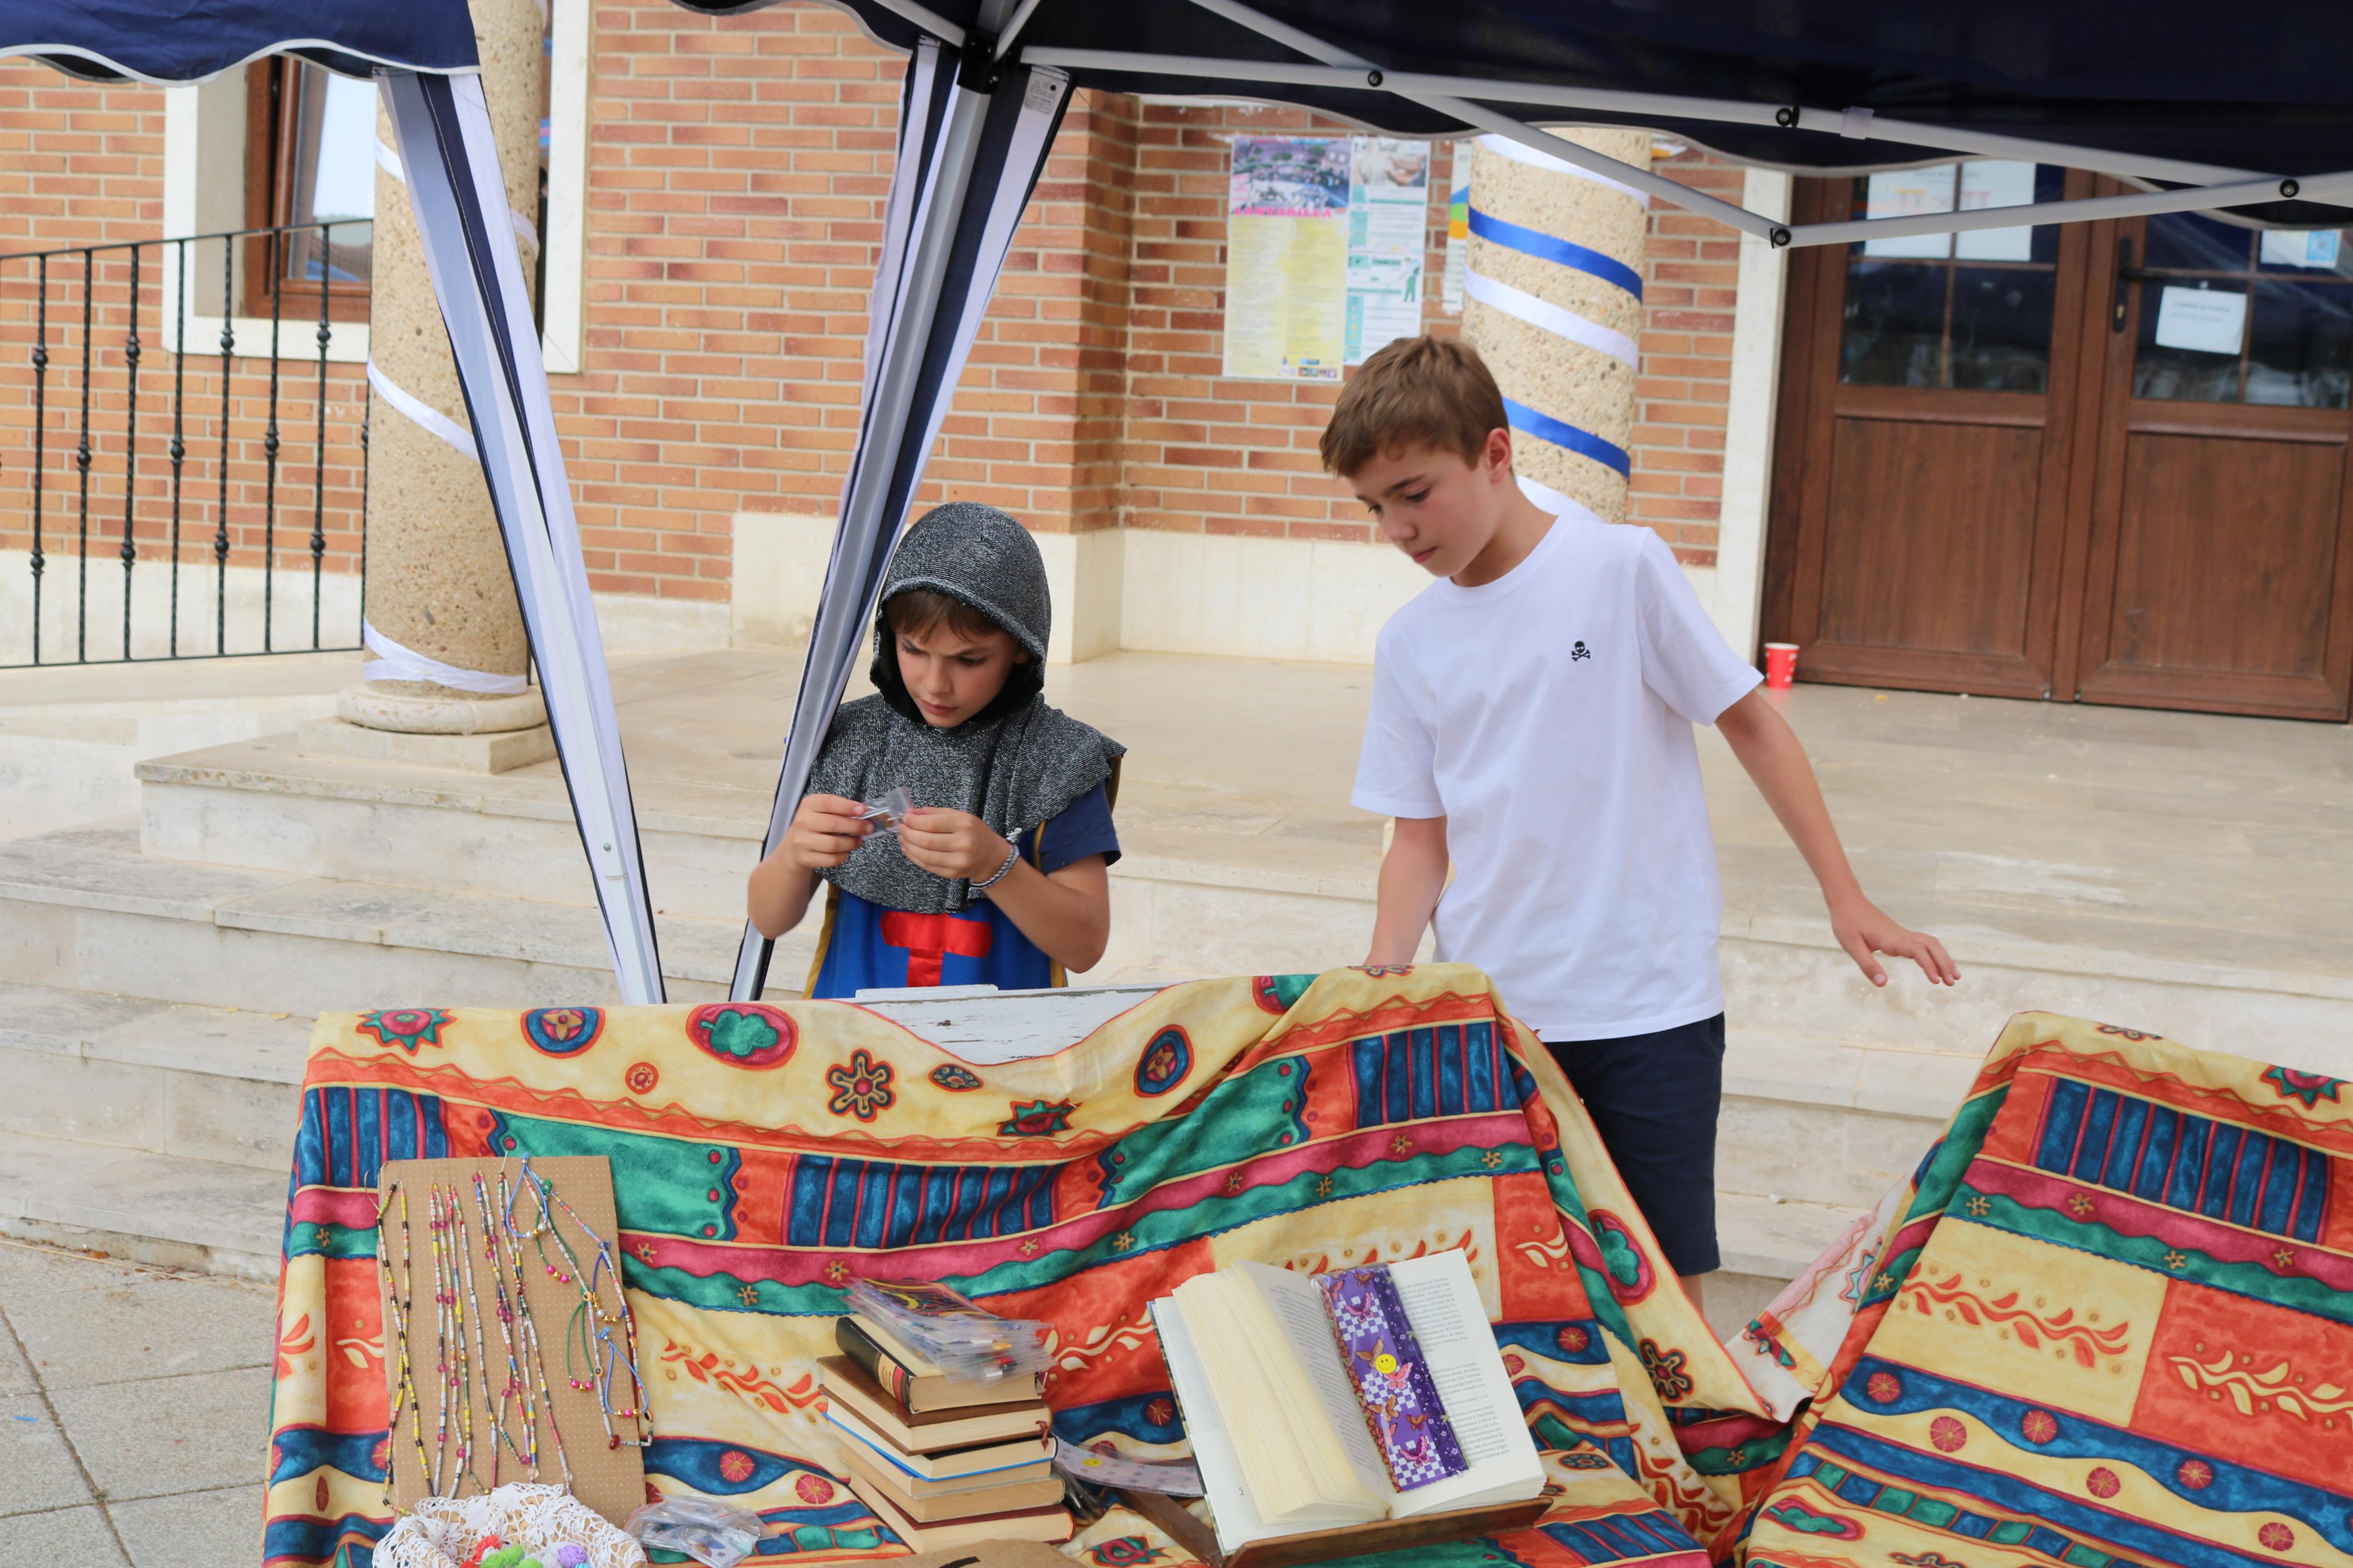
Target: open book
[1304, 1416]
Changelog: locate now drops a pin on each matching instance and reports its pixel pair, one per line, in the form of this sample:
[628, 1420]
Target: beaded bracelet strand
[593, 1323]
[516, 1391]
[443, 1368]
[535, 1354]
[397, 1305]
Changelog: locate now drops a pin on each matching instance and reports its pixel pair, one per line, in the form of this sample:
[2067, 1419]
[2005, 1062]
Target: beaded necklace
[527, 1326]
[444, 1368]
[396, 1306]
[589, 1329]
[515, 1391]
[472, 1310]
[453, 1283]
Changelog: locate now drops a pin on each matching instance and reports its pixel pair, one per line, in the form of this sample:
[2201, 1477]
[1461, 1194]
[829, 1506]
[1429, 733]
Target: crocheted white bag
[441, 1533]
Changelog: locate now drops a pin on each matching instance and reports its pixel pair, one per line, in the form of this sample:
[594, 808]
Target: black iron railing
[220, 524]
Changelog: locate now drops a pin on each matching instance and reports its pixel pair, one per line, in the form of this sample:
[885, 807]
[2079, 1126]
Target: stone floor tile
[29, 1162]
[171, 1434]
[218, 1529]
[37, 1469]
[65, 1538]
[27, 1269]
[100, 1322]
[16, 1372]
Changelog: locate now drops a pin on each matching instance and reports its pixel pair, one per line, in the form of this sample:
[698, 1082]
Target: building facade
[1994, 469]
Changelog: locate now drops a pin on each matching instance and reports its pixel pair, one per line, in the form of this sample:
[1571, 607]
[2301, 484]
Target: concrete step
[83, 909]
[1223, 882]
[70, 736]
[131, 1074]
[149, 1207]
[1822, 1122]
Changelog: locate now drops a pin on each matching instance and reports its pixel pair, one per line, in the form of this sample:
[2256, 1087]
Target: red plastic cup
[1780, 665]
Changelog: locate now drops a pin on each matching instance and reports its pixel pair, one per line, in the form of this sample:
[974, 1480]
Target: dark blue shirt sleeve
[1083, 828]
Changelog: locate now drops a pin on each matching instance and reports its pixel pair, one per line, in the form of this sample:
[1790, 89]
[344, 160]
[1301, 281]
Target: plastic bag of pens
[946, 1328]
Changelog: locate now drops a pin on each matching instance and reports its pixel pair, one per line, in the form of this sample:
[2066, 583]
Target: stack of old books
[945, 1460]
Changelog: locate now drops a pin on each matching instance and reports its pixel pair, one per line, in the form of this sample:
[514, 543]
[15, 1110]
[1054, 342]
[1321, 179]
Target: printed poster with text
[1388, 220]
[1287, 223]
[1324, 252]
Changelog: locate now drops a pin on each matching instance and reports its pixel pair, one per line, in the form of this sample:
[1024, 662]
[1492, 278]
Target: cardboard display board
[608, 1479]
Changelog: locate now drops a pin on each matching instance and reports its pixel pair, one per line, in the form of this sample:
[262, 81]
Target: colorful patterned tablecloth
[764, 1154]
[2108, 1323]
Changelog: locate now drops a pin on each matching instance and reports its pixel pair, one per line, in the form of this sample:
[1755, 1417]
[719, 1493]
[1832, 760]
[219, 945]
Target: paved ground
[134, 1413]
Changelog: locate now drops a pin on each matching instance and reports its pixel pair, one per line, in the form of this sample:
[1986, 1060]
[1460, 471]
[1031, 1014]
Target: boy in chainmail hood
[999, 876]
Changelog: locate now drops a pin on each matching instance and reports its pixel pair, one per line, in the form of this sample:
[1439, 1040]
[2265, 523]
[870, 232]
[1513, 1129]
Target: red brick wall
[1206, 452]
[81, 164]
[1685, 382]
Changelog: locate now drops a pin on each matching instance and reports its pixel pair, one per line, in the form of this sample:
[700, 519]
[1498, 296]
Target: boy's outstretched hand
[1864, 930]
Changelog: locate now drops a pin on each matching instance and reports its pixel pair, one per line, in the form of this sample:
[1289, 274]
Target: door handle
[2126, 276]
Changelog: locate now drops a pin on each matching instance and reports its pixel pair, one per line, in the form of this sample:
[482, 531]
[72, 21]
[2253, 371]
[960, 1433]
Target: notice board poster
[1324, 255]
[1287, 258]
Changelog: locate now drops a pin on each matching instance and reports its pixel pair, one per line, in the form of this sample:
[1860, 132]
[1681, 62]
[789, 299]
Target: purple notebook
[1392, 1382]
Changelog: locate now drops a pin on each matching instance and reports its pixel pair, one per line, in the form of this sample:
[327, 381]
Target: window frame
[269, 124]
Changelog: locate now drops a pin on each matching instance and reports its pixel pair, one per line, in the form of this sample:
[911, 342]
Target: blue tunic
[865, 946]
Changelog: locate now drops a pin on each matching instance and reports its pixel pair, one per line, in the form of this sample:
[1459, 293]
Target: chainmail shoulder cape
[1013, 773]
[1015, 764]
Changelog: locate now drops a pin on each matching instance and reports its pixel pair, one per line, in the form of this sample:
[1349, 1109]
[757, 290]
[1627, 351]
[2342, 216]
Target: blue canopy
[189, 41]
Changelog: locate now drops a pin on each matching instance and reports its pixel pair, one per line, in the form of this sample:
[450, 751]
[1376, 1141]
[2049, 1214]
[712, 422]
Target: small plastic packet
[885, 809]
[945, 1327]
[1173, 1479]
[711, 1532]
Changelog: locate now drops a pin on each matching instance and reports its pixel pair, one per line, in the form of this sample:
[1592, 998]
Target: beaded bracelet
[1010, 861]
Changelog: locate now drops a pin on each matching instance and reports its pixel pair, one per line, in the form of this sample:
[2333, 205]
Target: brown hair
[912, 612]
[1417, 392]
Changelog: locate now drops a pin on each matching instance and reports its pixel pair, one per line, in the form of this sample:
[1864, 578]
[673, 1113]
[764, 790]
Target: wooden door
[1928, 414]
[2217, 572]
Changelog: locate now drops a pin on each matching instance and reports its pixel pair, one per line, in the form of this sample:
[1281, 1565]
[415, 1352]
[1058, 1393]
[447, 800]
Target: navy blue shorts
[1654, 1098]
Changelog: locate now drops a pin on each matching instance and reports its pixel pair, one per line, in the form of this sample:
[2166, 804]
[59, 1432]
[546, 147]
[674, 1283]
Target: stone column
[1553, 302]
[437, 581]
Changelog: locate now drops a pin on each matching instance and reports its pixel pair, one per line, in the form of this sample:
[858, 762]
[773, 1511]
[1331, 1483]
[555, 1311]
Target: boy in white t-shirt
[1531, 725]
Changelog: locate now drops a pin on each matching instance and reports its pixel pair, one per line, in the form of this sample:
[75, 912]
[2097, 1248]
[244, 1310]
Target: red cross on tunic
[929, 938]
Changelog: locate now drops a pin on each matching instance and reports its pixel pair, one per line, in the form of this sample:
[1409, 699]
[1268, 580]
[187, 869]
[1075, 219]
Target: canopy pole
[2334, 189]
[450, 158]
[841, 624]
[1726, 111]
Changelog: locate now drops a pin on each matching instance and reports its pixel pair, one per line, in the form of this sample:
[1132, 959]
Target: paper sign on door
[1908, 192]
[2207, 320]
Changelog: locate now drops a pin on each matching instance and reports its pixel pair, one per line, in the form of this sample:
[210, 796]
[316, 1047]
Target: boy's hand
[1863, 930]
[952, 844]
[825, 829]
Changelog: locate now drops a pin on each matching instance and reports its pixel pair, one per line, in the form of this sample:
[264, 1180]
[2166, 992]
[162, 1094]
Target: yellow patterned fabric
[2109, 1324]
[764, 1154]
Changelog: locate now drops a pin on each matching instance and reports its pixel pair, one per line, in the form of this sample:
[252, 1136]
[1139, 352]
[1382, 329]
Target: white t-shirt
[1547, 717]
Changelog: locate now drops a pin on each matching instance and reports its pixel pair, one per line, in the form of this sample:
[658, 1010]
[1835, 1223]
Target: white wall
[1753, 405]
[1145, 590]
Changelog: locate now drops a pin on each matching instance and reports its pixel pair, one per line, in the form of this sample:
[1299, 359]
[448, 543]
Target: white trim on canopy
[460, 197]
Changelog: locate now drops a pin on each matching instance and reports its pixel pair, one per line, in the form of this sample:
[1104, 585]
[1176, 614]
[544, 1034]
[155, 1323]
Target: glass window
[331, 175]
[1964, 310]
[2240, 315]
